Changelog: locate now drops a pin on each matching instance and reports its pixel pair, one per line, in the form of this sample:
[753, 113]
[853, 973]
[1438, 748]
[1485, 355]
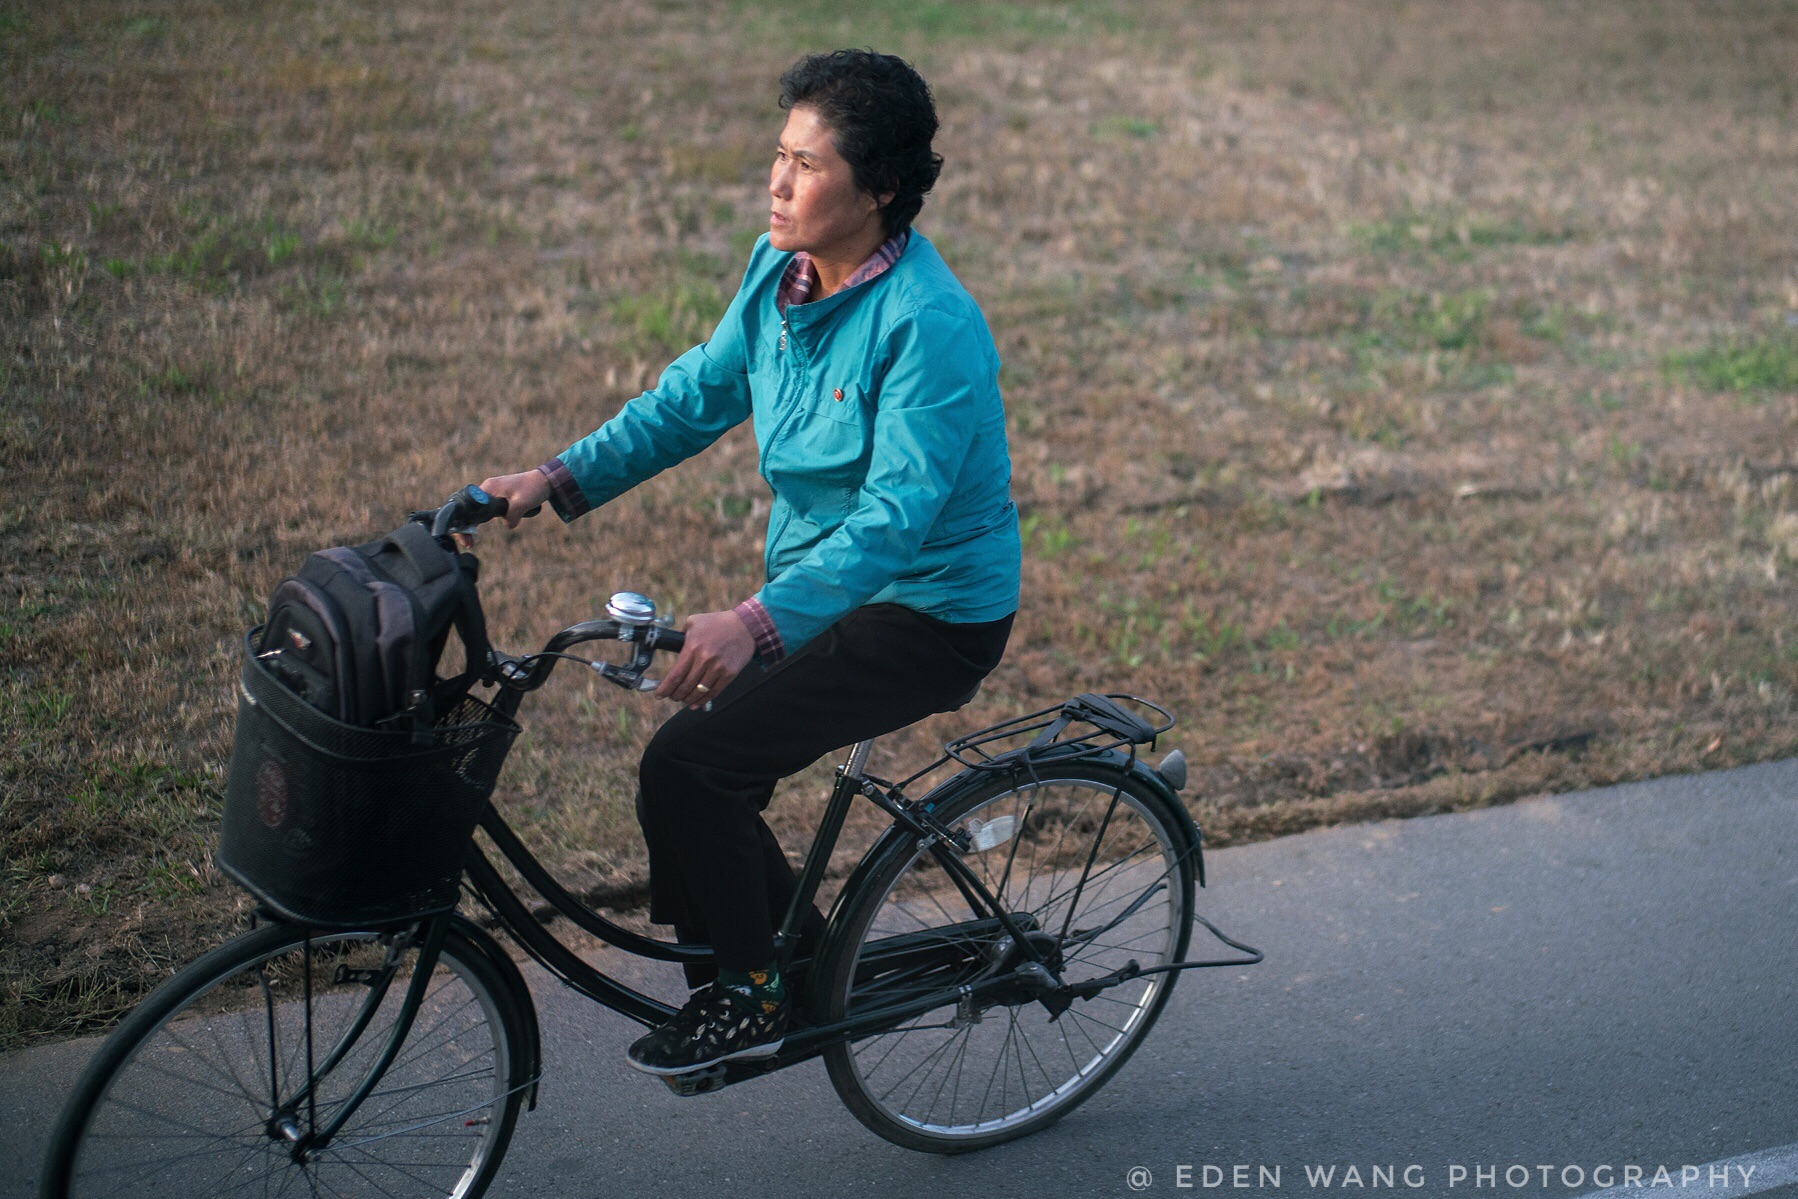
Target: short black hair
[881, 114]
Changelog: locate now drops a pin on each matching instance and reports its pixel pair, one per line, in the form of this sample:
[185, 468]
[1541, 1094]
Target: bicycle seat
[964, 701]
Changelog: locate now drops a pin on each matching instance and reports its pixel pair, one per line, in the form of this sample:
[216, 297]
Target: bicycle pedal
[696, 1082]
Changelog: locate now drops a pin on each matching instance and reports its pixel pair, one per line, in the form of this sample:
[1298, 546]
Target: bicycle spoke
[906, 1077]
[247, 1157]
[406, 1093]
[1094, 1020]
[413, 1052]
[954, 1065]
[1047, 1077]
[185, 1111]
[268, 1148]
[997, 1073]
[1091, 872]
[388, 1163]
[224, 1076]
[892, 1049]
[931, 1062]
[194, 1082]
[960, 1069]
[145, 1173]
[1057, 896]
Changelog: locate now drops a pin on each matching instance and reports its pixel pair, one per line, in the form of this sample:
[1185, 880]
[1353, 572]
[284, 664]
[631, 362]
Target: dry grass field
[1404, 393]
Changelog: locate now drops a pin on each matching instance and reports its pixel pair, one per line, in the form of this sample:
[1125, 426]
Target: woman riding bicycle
[892, 552]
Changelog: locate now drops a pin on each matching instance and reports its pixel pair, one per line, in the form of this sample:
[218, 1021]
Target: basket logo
[271, 793]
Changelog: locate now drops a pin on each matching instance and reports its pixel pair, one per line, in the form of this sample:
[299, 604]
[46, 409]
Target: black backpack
[359, 631]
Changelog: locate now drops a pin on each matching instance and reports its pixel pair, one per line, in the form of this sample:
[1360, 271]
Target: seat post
[858, 758]
[842, 795]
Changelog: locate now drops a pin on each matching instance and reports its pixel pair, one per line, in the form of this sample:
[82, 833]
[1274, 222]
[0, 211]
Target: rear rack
[1109, 725]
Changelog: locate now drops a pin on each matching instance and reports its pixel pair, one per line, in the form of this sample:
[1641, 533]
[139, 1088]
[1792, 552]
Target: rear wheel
[1097, 870]
[202, 1090]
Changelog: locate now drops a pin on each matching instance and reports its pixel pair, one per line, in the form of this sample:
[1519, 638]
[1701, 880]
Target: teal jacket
[881, 433]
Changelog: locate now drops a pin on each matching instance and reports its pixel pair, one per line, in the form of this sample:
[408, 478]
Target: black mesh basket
[335, 826]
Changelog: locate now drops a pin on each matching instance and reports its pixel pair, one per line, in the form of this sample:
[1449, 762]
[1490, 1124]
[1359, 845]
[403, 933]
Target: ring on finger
[701, 688]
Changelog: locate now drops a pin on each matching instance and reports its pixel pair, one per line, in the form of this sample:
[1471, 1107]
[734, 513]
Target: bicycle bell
[627, 607]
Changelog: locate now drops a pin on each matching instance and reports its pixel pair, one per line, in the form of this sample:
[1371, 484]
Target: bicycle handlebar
[465, 510]
[471, 507]
[532, 670]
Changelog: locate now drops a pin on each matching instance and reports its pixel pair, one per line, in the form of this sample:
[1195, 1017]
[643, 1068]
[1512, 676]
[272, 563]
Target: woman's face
[817, 207]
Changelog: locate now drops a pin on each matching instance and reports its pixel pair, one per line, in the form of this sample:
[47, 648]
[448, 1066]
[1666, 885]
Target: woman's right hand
[522, 492]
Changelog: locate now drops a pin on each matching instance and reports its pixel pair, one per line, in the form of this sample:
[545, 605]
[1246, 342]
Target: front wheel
[1097, 871]
[203, 1089]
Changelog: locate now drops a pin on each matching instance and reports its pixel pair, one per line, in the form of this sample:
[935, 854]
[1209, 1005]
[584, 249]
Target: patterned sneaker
[716, 1024]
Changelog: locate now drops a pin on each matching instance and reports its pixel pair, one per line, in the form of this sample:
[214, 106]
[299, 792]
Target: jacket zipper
[790, 390]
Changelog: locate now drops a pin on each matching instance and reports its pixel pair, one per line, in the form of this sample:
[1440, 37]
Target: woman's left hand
[718, 647]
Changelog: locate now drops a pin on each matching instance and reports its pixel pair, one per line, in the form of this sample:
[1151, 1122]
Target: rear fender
[1195, 837]
[896, 840]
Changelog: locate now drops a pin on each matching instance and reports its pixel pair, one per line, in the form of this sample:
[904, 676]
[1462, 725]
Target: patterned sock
[765, 986]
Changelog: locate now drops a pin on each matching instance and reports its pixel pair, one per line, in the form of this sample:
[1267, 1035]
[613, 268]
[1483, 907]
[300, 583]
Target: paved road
[1597, 979]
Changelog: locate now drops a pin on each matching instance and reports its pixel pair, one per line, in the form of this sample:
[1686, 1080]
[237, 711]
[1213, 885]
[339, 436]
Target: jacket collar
[800, 278]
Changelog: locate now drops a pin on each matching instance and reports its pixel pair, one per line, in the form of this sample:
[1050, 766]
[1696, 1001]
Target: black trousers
[715, 870]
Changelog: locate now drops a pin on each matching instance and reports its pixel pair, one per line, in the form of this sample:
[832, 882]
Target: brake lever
[625, 677]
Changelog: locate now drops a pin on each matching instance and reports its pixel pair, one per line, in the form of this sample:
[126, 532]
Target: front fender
[481, 942]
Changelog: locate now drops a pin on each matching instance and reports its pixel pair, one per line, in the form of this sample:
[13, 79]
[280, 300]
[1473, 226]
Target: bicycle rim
[206, 1094]
[1097, 873]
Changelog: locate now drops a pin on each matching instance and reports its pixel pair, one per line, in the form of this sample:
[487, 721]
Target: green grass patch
[14, 623]
[44, 709]
[174, 380]
[42, 112]
[220, 252]
[1397, 610]
[673, 318]
[1211, 636]
[1048, 536]
[319, 294]
[143, 29]
[1416, 321]
[1400, 326]
[1563, 324]
[1748, 367]
[1136, 629]
[742, 241]
[1432, 320]
[1115, 127]
[1449, 234]
[370, 233]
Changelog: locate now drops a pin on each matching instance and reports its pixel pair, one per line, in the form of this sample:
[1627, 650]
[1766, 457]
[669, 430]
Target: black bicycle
[993, 959]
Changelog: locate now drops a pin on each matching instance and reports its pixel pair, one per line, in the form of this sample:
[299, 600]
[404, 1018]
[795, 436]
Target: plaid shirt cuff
[768, 645]
[565, 494]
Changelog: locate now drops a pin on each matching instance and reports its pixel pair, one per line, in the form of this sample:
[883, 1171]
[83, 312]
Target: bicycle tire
[182, 1098]
[906, 894]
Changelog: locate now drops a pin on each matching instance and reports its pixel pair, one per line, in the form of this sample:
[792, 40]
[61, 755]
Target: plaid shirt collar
[800, 278]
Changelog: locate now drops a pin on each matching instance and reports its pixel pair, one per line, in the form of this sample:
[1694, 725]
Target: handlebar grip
[500, 506]
[671, 640]
[470, 507]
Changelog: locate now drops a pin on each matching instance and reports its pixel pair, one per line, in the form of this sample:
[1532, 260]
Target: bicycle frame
[805, 1042]
[1033, 979]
